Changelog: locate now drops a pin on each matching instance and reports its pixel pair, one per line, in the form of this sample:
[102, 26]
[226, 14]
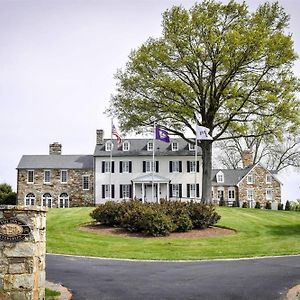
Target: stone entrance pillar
[22, 253]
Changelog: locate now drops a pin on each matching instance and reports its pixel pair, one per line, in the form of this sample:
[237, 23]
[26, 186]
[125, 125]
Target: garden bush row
[156, 219]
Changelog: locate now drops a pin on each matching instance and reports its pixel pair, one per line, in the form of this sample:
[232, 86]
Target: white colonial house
[124, 171]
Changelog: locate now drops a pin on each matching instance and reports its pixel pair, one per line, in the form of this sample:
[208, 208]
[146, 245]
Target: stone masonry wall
[22, 263]
[73, 187]
[259, 185]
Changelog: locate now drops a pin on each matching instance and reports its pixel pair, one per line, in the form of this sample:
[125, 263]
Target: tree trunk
[206, 147]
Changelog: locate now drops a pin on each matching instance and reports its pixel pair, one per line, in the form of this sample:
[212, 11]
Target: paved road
[96, 279]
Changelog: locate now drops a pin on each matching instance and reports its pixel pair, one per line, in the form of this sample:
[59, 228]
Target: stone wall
[73, 187]
[259, 186]
[22, 263]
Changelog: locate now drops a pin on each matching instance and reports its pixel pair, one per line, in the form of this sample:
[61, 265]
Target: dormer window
[250, 179]
[150, 146]
[192, 147]
[126, 146]
[108, 146]
[174, 146]
[220, 177]
[269, 178]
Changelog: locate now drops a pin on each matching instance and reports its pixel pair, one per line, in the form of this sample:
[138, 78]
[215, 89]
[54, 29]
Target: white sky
[57, 62]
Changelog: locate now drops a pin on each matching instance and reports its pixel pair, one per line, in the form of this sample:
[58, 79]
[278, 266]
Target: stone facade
[260, 187]
[22, 263]
[73, 187]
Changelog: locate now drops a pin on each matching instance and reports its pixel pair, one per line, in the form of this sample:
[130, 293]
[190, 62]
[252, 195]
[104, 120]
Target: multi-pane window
[106, 192]
[269, 178]
[108, 146]
[192, 190]
[175, 166]
[192, 147]
[125, 191]
[126, 146]
[125, 166]
[63, 176]
[269, 194]
[30, 176]
[29, 199]
[231, 194]
[150, 146]
[107, 168]
[174, 146]
[220, 194]
[220, 177]
[175, 190]
[64, 200]
[192, 166]
[250, 194]
[47, 176]
[250, 179]
[47, 200]
[150, 166]
[85, 182]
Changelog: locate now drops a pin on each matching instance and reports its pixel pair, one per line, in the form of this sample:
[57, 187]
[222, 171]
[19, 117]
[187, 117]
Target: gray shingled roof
[138, 147]
[56, 162]
[231, 176]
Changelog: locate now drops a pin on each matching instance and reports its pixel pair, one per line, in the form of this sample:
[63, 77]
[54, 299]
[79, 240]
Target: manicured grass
[258, 233]
[51, 295]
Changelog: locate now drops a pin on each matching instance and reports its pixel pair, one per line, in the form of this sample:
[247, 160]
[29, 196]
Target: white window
[193, 190]
[47, 176]
[126, 191]
[220, 193]
[107, 167]
[64, 200]
[250, 179]
[192, 166]
[125, 166]
[63, 176]
[175, 166]
[231, 194]
[192, 147]
[250, 194]
[150, 146]
[220, 177]
[29, 199]
[150, 166]
[47, 200]
[126, 146]
[269, 178]
[106, 191]
[85, 182]
[269, 194]
[108, 146]
[30, 176]
[174, 146]
[175, 190]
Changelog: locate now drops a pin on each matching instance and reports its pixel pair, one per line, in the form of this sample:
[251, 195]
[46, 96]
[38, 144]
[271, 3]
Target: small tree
[7, 196]
[268, 205]
[287, 205]
[280, 206]
[257, 205]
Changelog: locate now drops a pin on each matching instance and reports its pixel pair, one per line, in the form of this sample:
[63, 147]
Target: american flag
[116, 134]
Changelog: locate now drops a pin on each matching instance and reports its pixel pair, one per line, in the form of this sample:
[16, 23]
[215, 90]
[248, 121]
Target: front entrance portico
[144, 190]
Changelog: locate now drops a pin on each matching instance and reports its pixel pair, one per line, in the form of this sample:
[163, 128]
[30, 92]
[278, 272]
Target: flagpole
[110, 163]
[153, 154]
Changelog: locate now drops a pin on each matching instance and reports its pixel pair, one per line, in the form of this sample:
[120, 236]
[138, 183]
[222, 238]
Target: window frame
[192, 147]
[220, 177]
[269, 179]
[46, 200]
[250, 194]
[175, 190]
[30, 198]
[28, 176]
[269, 194]
[45, 172]
[109, 146]
[250, 179]
[63, 200]
[126, 146]
[84, 177]
[62, 177]
[174, 146]
[150, 166]
[150, 146]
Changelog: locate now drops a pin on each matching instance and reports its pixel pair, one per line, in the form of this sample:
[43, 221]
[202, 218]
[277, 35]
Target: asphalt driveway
[99, 279]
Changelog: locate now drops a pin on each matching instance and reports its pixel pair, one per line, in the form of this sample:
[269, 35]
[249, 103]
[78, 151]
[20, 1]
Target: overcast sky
[57, 62]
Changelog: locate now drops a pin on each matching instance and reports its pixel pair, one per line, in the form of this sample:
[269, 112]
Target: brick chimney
[247, 158]
[99, 135]
[55, 149]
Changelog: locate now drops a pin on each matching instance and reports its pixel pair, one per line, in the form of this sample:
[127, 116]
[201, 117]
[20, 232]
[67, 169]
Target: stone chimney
[247, 158]
[99, 135]
[55, 149]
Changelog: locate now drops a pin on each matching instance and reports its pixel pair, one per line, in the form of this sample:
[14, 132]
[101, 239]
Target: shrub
[287, 205]
[268, 205]
[222, 202]
[295, 205]
[280, 206]
[245, 204]
[183, 223]
[257, 204]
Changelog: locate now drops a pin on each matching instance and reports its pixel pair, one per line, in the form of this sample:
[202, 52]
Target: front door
[148, 193]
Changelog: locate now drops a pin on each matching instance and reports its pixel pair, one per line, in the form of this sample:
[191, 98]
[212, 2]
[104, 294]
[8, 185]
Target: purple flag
[162, 135]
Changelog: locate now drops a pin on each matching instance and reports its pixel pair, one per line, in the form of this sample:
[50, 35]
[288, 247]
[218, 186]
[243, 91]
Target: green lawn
[258, 233]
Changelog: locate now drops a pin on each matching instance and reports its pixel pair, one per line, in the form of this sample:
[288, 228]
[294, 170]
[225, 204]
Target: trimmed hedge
[156, 219]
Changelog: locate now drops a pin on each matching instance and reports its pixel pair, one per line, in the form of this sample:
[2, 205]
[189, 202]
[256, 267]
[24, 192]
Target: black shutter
[197, 190]
[113, 167]
[170, 190]
[103, 166]
[188, 190]
[103, 191]
[180, 190]
[157, 166]
[170, 166]
[112, 191]
[130, 167]
[130, 191]
[144, 166]
[121, 191]
[121, 165]
[180, 166]
[198, 166]
[188, 166]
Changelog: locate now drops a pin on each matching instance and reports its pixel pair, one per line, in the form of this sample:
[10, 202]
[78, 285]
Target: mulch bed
[195, 233]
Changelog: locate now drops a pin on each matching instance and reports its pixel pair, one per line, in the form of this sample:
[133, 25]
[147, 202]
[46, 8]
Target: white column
[133, 190]
[158, 192]
[143, 192]
[168, 192]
